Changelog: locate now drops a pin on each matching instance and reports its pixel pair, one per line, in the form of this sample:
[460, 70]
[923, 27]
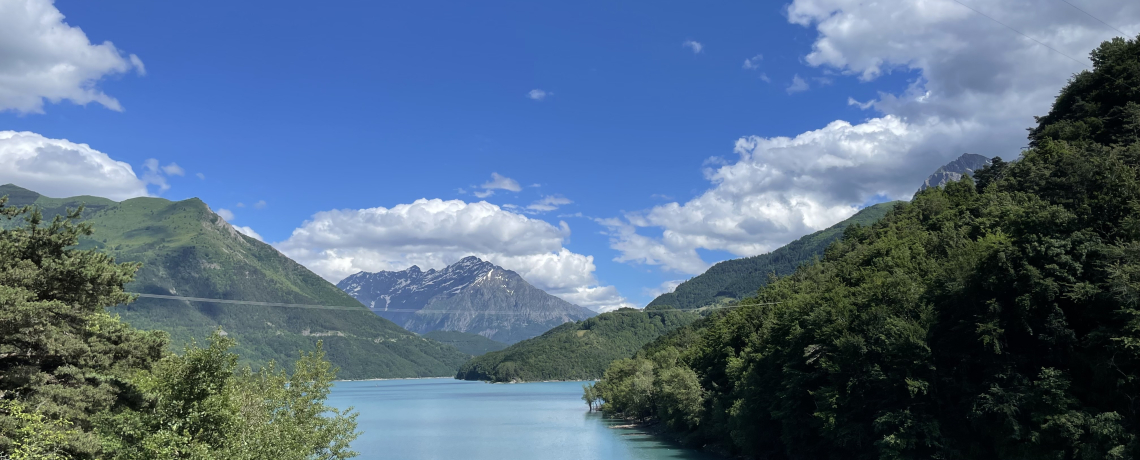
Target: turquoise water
[453, 419]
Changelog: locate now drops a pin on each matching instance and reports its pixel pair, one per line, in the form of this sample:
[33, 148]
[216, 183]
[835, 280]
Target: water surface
[453, 419]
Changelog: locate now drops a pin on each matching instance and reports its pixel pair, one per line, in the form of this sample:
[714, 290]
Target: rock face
[953, 171]
[469, 296]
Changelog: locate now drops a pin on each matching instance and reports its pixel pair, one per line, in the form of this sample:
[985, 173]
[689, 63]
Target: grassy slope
[187, 250]
[741, 278]
[472, 344]
[576, 351]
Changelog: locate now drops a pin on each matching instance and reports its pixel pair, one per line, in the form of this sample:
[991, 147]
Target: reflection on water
[452, 419]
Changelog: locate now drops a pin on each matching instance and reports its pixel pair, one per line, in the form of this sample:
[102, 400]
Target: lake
[451, 419]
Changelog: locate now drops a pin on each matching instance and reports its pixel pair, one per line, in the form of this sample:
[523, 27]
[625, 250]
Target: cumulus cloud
[43, 57]
[156, 175]
[225, 214]
[798, 85]
[753, 62]
[435, 233]
[61, 168]
[977, 87]
[693, 45]
[247, 231]
[548, 203]
[537, 94]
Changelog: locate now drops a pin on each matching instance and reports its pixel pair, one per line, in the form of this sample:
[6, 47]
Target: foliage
[991, 320]
[76, 382]
[466, 342]
[736, 279]
[199, 406]
[576, 351]
[187, 250]
[35, 437]
[590, 396]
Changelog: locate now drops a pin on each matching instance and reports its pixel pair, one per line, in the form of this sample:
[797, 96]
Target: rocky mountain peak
[954, 170]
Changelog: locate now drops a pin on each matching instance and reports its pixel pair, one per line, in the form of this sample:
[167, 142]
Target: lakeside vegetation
[998, 317]
[576, 351]
[78, 383]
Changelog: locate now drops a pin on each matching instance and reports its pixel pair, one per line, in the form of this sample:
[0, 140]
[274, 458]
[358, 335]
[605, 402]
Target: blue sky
[357, 105]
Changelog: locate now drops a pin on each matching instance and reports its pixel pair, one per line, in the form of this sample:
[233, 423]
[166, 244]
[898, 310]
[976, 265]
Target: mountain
[468, 296]
[953, 171]
[577, 351]
[189, 251]
[736, 279]
[472, 344]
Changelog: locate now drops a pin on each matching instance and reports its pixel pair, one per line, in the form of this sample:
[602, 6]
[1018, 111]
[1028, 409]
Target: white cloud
[261, 204]
[173, 170]
[764, 76]
[247, 231]
[798, 85]
[753, 62]
[156, 175]
[497, 182]
[435, 233]
[548, 203]
[693, 45]
[61, 168]
[201, 176]
[43, 57]
[537, 94]
[240, 205]
[978, 87]
[663, 288]
[225, 214]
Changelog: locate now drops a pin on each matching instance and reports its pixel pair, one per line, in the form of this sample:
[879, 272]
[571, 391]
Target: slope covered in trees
[740, 278]
[187, 250]
[472, 344]
[78, 383]
[576, 351]
[991, 319]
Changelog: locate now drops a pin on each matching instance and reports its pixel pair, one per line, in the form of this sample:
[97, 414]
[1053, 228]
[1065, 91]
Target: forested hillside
[996, 318]
[187, 250]
[472, 344]
[576, 351]
[740, 278]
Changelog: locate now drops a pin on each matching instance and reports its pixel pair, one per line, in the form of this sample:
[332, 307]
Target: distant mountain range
[954, 170]
[471, 296]
[189, 251]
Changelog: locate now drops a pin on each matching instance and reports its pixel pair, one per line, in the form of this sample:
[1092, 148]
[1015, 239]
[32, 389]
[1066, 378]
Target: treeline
[576, 351]
[78, 383]
[996, 318]
[736, 279]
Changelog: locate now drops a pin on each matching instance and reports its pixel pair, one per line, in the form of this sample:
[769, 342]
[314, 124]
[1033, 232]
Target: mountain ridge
[471, 295]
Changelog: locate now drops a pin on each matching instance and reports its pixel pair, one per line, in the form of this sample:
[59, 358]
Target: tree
[590, 395]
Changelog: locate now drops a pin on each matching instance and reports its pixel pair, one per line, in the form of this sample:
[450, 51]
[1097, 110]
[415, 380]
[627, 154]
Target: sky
[605, 152]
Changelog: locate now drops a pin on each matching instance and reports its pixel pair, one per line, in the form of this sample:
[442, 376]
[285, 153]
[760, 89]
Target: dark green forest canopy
[736, 279]
[576, 351]
[187, 250]
[998, 319]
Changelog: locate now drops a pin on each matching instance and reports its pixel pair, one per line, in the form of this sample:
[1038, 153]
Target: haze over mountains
[470, 295]
[187, 250]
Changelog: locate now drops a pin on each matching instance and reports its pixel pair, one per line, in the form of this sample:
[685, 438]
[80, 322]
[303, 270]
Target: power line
[1094, 17]
[1039, 42]
[341, 307]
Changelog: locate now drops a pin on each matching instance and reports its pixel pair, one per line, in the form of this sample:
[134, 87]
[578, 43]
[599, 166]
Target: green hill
[472, 344]
[187, 250]
[740, 278]
[576, 351]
